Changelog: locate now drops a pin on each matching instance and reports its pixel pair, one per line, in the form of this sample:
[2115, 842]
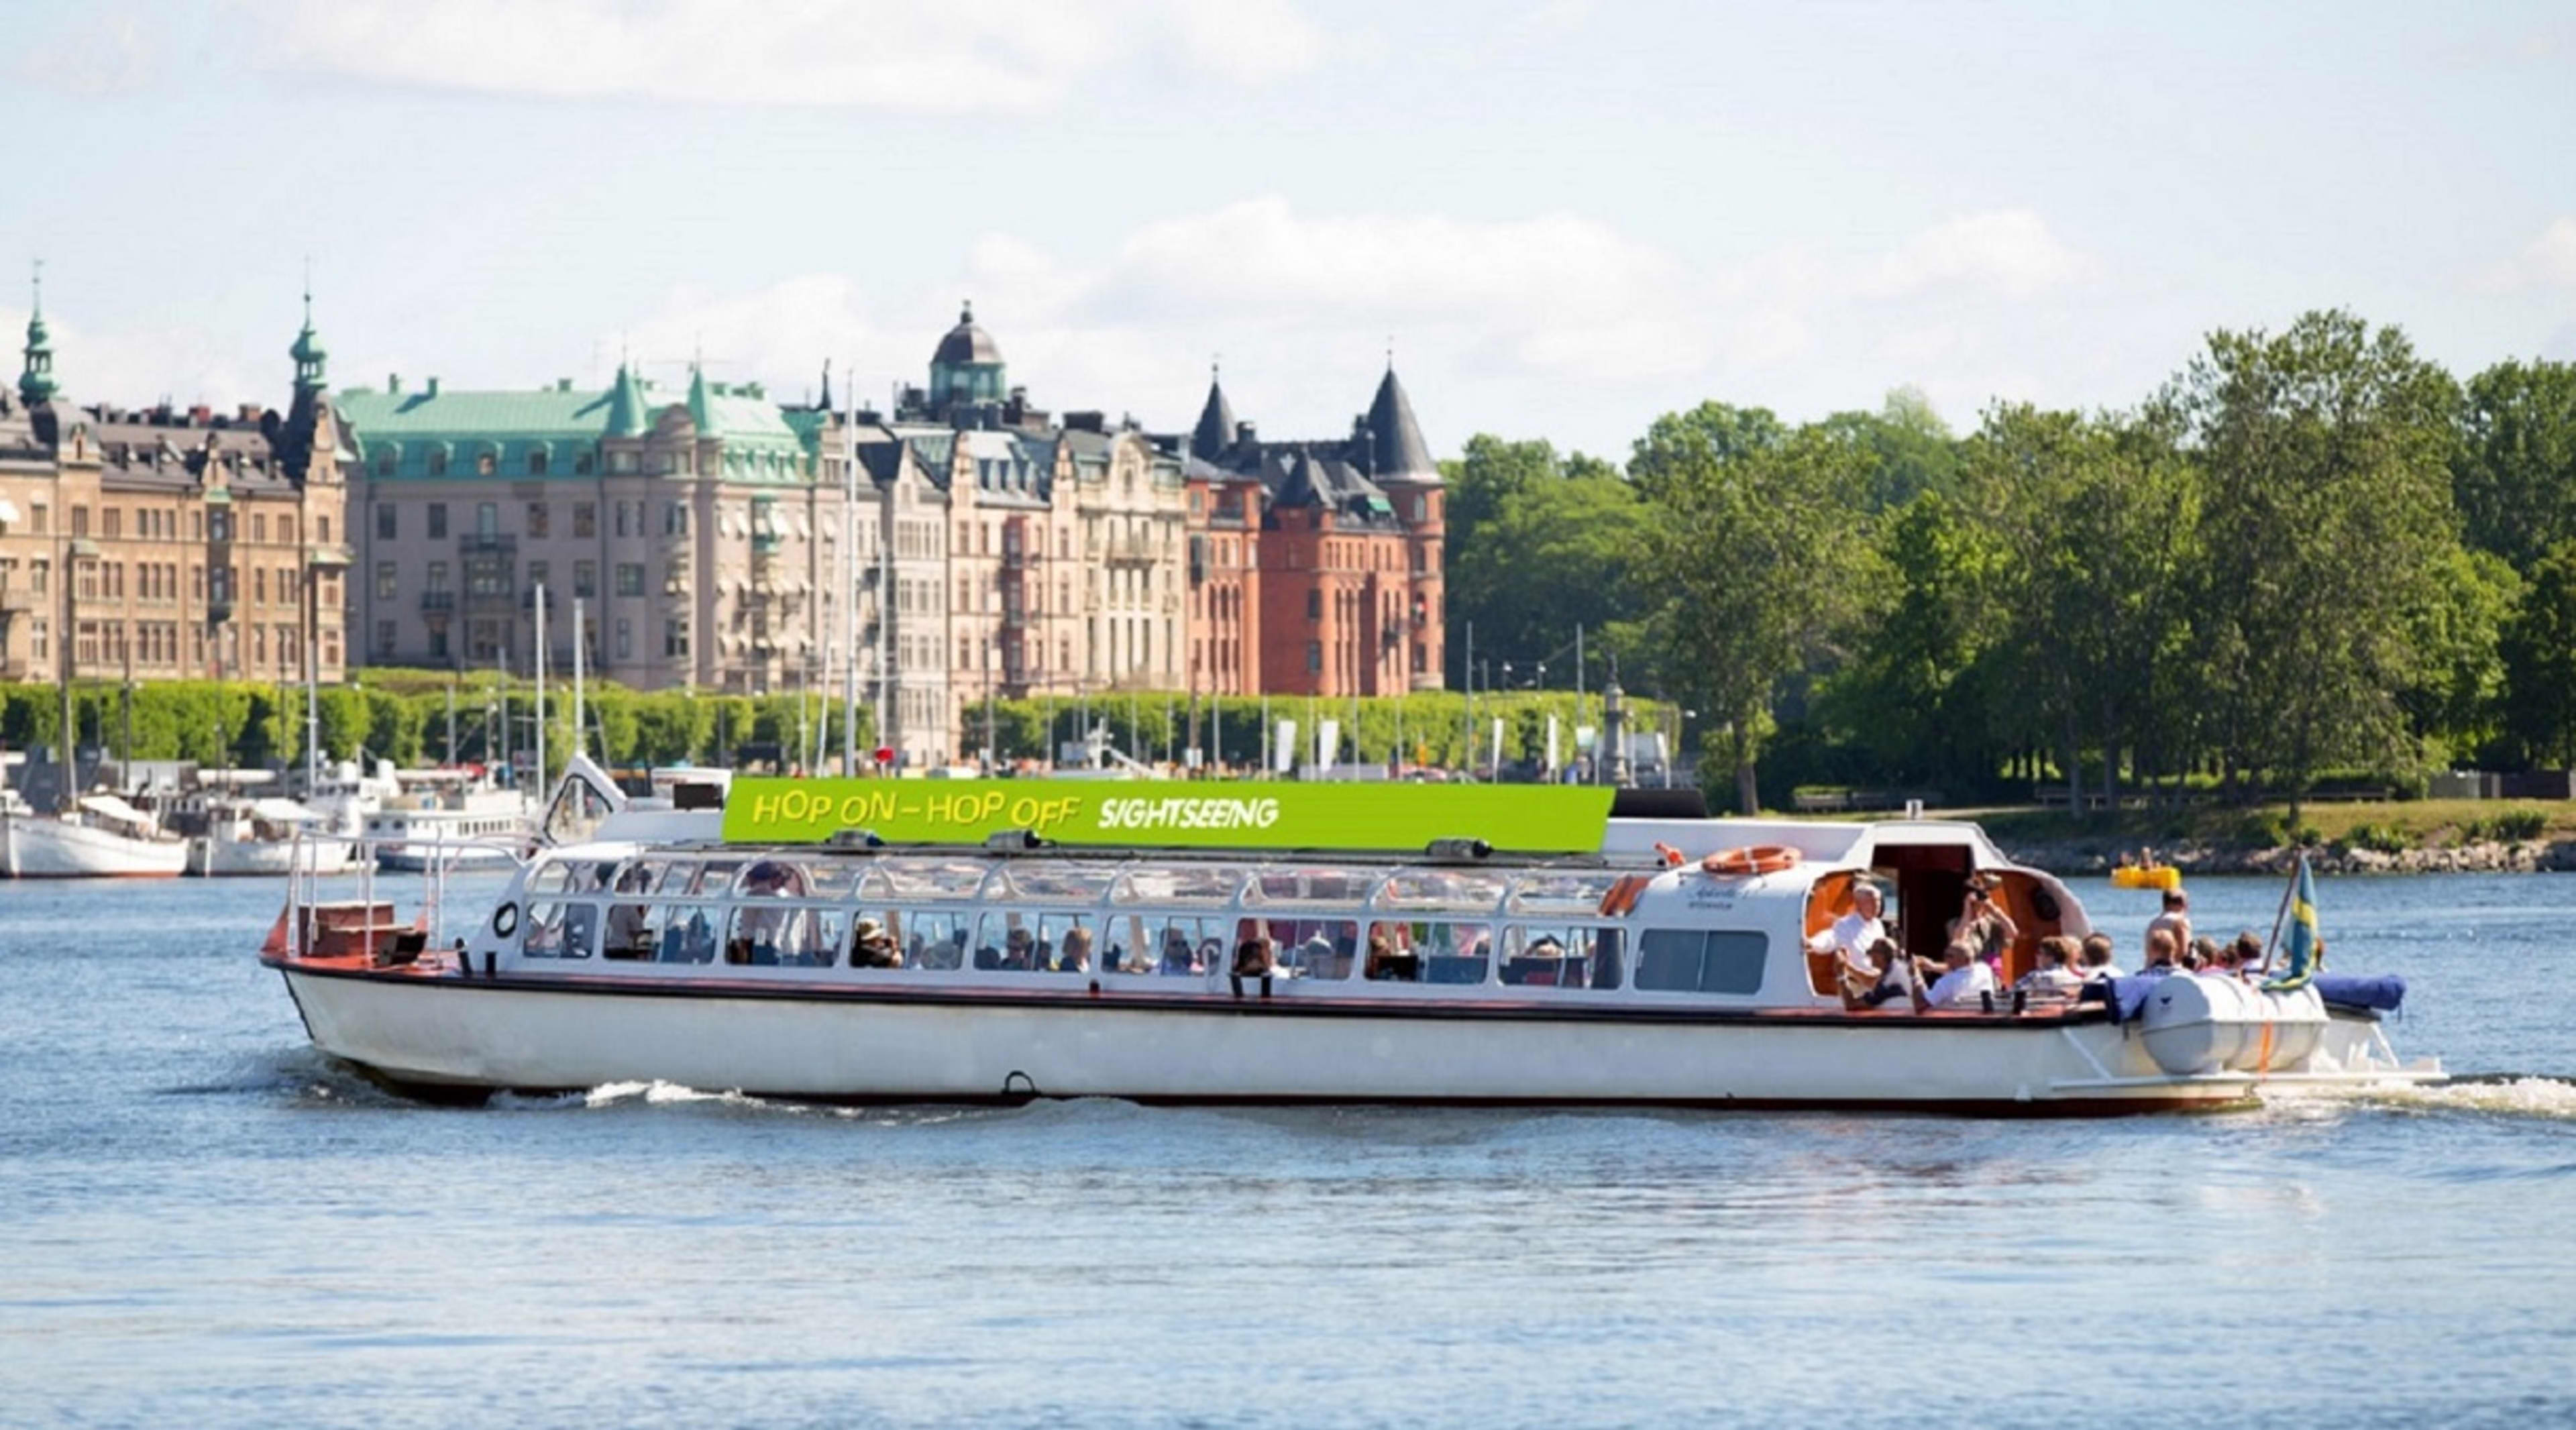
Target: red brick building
[1314, 566]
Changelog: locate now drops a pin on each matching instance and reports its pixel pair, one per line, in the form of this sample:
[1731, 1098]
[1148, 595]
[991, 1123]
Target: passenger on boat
[2203, 956]
[1176, 952]
[630, 926]
[1851, 936]
[1896, 979]
[1074, 955]
[2175, 920]
[2055, 979]
[1019, 951]
[1967, 982]
[1982, 924]
[2161, 953]
[872, 947]
[1253, 958]
[761, 930]
[2095, 962]
[2245, 954]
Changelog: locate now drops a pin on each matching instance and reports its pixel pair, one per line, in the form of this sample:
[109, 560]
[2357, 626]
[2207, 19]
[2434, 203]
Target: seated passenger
[1018, 952]
[1176, 953]
[1852, 936]
[1253, 958]
[2095, 962]
[872, 947]
[2161, 953]
[2202, 956]
[1895, 978]
[1965, 983]
[2054, 980]
[1075, 955]
[1380, 963]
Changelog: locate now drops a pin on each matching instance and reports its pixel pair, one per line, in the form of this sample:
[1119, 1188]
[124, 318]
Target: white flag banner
[1328, 742]
[1286, 758]
[1551, 744]
[1495, 764]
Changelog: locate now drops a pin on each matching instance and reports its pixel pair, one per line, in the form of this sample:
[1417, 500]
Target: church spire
[36, 379]
[826, 403]
[308, 351]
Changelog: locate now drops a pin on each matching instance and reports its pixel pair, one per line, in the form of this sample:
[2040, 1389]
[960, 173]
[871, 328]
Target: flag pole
[2288, 892]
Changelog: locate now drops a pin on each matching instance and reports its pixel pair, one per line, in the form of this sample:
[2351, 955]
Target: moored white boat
[448, 819]
[653, 947]
[102, 837]
[267, 837]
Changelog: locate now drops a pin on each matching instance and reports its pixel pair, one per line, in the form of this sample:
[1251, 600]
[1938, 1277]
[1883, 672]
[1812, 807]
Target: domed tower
[307, 443]
[967, 368]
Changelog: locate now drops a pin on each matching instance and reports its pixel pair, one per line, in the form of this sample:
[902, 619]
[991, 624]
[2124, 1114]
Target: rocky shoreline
[2094, 857]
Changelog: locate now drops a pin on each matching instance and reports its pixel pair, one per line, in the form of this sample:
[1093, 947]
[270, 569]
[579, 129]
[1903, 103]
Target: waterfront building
[199, 545]
[699, 531]
[1315, 565]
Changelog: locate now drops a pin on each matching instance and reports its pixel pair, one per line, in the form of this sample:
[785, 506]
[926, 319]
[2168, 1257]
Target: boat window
[1156, 944]
[676, 877]
[1203, 885]
[687, 932]
[1561, 956]
[552, 877]
[714, 877]
[767, 934]
[1314, 948]
[1428, 951]
[1570, 892]
[771, 879]
[924, 879]
[1702, 961]
[1441, 890]
[1062, 883]
[633, 930]
[831, 878]
[560, 930]
[578, 808]
[1308, 886]
[933, 939]
[1035, 943]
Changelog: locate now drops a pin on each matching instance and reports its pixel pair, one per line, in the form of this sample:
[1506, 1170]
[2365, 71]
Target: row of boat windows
[873, 879]
[1544, 955]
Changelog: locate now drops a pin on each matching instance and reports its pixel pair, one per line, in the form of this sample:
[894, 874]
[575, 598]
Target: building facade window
[384, 638]
[388, 525]
[538, 523]
[585, 520]
[630, 578]
[675, 638]
[585, 579]
[438, 521]
[487, 519]
[536, 461]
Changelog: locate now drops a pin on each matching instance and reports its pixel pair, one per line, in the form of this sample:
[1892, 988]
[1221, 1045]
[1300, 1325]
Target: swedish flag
[2305, 948]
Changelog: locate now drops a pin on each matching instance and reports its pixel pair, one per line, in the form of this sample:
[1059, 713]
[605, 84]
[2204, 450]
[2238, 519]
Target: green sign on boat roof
[1354, 818]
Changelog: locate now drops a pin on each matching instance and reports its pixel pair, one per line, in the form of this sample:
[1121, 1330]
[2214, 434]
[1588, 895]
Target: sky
[1561, 218]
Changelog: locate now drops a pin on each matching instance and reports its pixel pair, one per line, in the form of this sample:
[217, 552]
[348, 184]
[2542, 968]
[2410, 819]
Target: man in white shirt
[1852, 936]
[1966, 983]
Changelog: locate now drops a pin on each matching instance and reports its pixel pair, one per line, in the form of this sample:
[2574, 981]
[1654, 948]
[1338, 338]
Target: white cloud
[2548, 261]
[1497, 324]
[991, 56]
[2008, 253]
[137, 367]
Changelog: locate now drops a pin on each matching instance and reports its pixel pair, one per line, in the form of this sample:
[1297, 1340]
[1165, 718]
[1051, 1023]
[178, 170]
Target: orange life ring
[1672, 857]
[1758, 859]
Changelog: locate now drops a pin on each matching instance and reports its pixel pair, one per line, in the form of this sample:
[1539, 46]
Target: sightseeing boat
[1002, 940]
[448, 819]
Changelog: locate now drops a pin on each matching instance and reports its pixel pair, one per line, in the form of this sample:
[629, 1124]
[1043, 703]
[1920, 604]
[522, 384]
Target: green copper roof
[36, 380]
[627, 413]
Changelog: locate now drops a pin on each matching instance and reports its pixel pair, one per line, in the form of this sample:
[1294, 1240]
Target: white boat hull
[226, 858]
[421, 858]
[470, 1033]
[35, 847]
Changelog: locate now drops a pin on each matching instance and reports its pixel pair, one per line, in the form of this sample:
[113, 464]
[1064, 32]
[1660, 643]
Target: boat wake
[628, 1095]
[2551, 1099]
[300, 1074]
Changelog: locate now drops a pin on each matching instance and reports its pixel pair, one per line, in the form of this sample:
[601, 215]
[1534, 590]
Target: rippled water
[201, 1223]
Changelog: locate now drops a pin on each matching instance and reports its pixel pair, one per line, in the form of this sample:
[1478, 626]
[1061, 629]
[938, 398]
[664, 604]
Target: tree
[2456, 701]
[2328, 450]
[2539, 654]
[1501, 494]
[2515, 473]
[1764, 555]
[1911, 449]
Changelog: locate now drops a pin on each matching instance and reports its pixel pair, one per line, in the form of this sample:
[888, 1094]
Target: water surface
[207, 1224]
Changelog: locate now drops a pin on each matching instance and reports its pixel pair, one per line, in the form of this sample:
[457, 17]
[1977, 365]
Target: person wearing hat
[872, 947]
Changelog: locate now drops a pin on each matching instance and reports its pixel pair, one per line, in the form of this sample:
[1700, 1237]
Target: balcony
[437, 601]
[17, 599]
[479, 545]
[1134, 551]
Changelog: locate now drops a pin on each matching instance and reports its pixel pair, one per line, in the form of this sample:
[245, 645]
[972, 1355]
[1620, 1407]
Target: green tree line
[2307, 552]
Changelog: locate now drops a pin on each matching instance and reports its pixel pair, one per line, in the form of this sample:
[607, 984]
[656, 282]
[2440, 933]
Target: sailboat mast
[580, 736]
[847, 641]
[541, 691]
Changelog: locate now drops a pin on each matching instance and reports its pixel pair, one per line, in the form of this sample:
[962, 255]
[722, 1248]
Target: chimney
[563, 384]
[431, 389]
[393, 383]
[200, 415]
[1244, 432]
[248, 415]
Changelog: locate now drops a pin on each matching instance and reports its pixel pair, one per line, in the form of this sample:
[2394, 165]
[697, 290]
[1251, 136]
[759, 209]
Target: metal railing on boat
[304, 880]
